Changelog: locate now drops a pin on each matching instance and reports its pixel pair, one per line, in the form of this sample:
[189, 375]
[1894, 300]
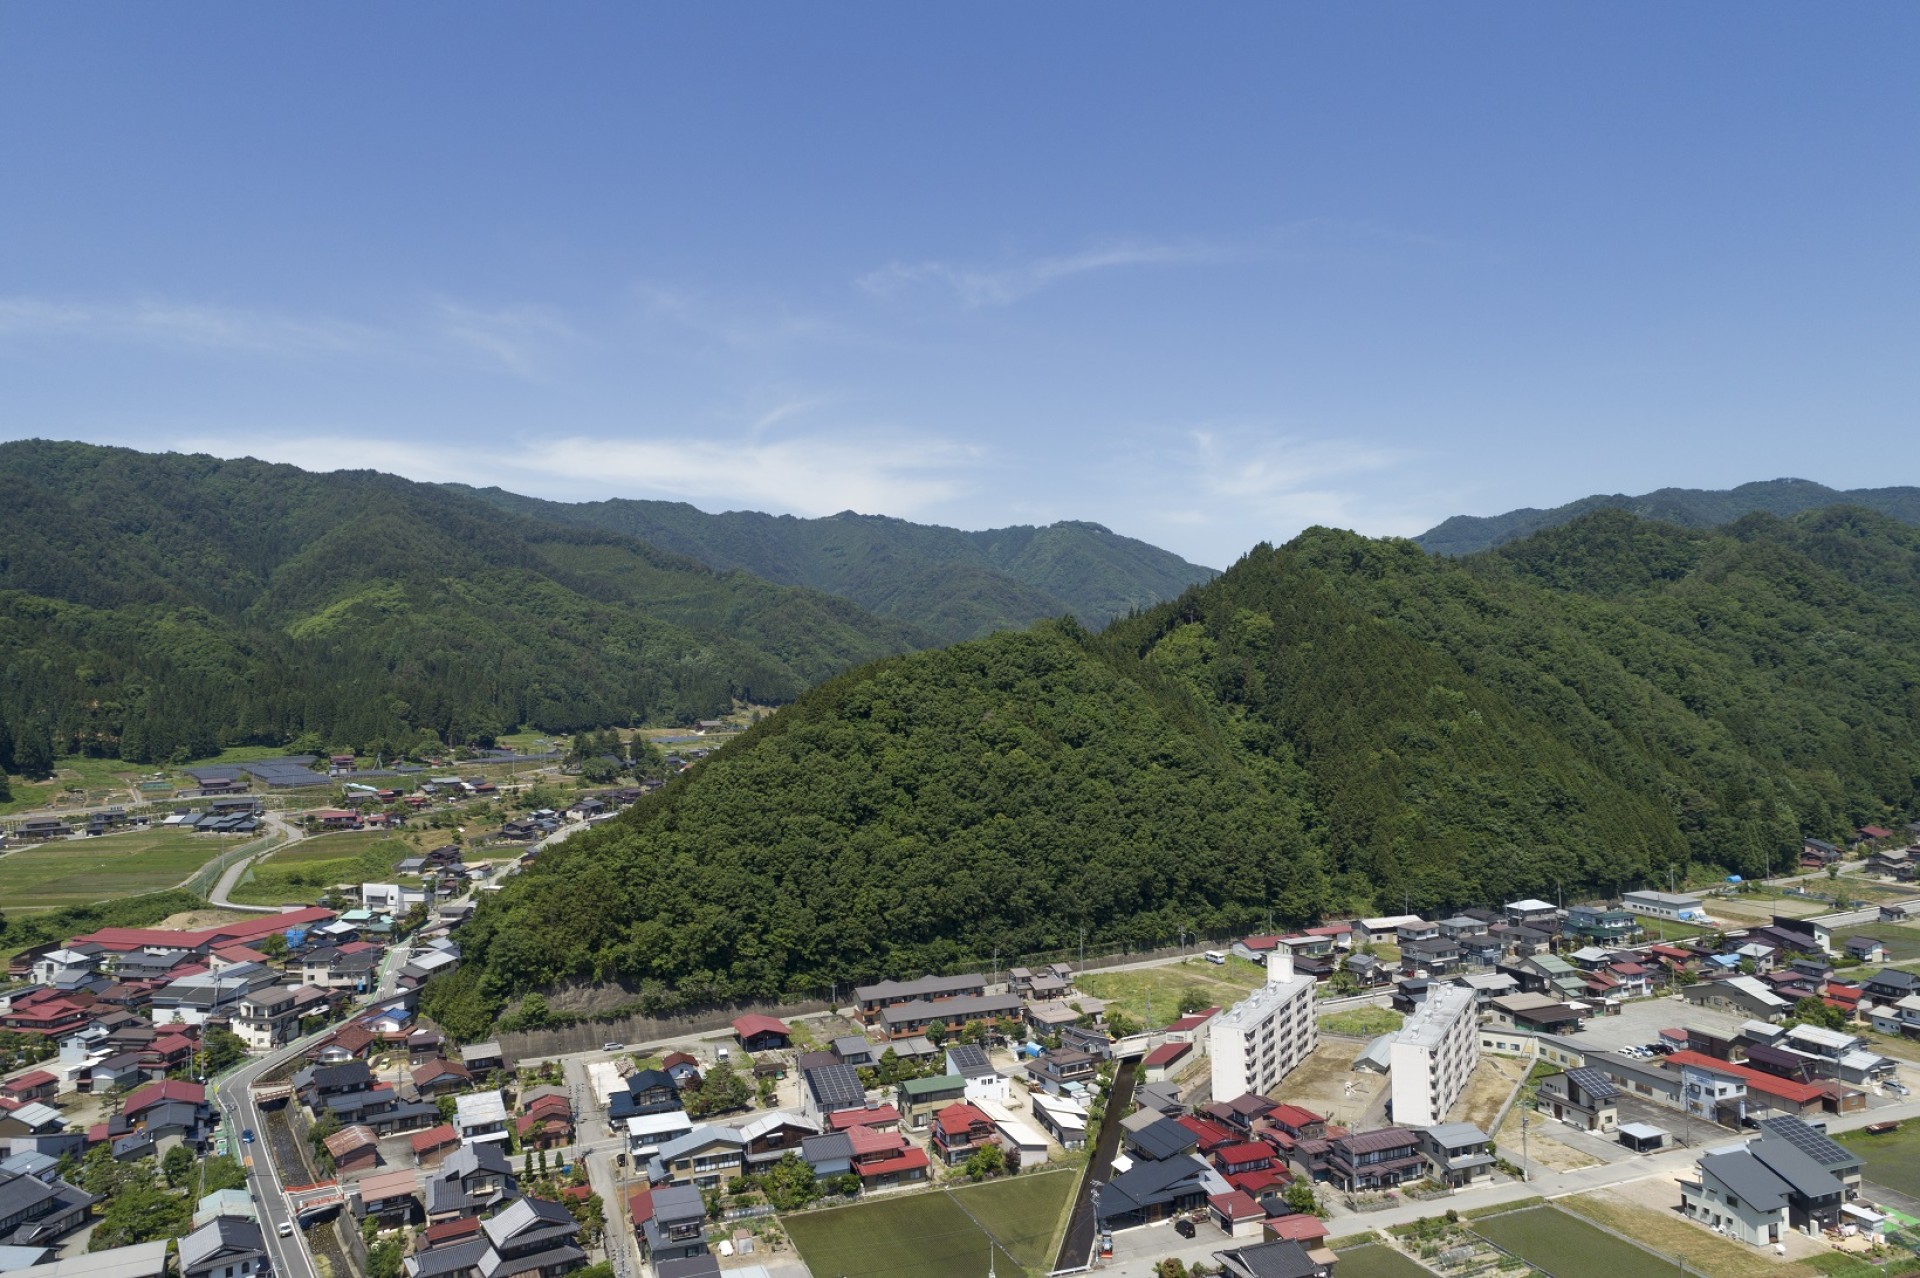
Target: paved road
[234, 1095]
[290, 834]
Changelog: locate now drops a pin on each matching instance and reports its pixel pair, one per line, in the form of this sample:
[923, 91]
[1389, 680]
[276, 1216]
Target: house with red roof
[126, 940]
[881, 1117]
[437, 1076]
[1307, 1230]
[547, 1124]
[1192, 1028]
[1237, 1214]
[167, 1052]
[163, 1092]
[1297, 1122]
[883, 1159]
[235, 954]
[448, 1232]
[1166, 1060]
[759, 1033]
[959, 1129]
[1208, 1135]
[1242, 1156]
[1784, 1094]
[47, 1015]
[434, 1144]
[36, 1086]
[1843, 995]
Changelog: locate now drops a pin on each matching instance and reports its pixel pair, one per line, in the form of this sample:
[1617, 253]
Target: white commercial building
[1264, 1037]
[1665, 905]
[1433, 1056]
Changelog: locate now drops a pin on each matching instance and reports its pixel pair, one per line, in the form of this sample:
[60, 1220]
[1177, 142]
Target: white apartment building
[1433, 1056]
[1264, 1037]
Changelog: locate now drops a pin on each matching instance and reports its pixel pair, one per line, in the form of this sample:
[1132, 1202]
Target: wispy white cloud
[1211, 491]
[977, 286]
[868, 470]
[753, 326]
[516, 338]
[185, 326]
[1254, 466]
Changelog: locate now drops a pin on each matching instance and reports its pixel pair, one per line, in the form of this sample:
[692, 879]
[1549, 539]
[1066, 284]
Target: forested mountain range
[1337, 724]
[162, 606]
[1688, 507]
[950, 583]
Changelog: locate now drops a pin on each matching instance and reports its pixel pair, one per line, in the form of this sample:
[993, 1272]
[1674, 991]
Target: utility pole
[1083, 947]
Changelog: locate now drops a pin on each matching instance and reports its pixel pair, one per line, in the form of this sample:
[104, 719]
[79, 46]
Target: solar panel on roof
[1808, 1139]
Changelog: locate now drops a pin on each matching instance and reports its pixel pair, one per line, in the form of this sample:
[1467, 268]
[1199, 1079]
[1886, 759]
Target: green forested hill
[1337, 724]
[158, 605]
[957, 585]
[1688, 507]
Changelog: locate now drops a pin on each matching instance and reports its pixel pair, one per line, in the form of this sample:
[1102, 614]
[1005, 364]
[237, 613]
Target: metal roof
[1797, 1168]
[835, 1087]
[1748, 1178]
[1811, 1141]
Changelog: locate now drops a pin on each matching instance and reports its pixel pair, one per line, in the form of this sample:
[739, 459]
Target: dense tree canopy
[161, 607]
[954, 584]
[1337, 724]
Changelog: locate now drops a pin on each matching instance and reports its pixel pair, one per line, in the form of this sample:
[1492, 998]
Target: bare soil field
[194, 920]
[1543, 1145]
[1328, 1084]
[1494, 1079]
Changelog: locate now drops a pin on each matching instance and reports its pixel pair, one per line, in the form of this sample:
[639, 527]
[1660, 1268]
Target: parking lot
[1639, 1023]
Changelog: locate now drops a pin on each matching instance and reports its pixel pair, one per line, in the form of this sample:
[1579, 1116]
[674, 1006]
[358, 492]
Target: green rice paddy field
[1893, 1159]
[47, 876]
[1566, 1246]
[941, 1235]
[299, 873]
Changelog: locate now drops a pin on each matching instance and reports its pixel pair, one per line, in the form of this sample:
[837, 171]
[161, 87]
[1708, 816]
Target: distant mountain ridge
[1688, 507]
[154, 605]
[948, 582]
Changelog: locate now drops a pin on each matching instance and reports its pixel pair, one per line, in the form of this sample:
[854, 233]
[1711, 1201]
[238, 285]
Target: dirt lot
[1328, 1084]
[1543, 1145]
[193, 920]
[1493, 1081]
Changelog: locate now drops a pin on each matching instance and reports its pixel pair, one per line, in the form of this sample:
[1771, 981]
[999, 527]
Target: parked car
[613, 1047]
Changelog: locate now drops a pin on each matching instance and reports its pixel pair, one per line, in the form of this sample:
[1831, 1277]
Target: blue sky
[1206, 276]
